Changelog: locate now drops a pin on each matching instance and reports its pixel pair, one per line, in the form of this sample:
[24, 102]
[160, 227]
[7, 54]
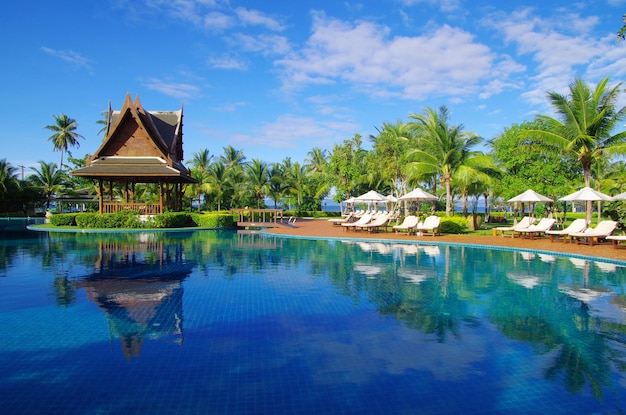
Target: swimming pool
[240, 323]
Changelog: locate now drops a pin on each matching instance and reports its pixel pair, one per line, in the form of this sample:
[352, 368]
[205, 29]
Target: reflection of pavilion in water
[251, 238]
[139, 288]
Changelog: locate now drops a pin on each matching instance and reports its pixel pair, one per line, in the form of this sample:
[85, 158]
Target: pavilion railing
[258, 215]
[142, 208]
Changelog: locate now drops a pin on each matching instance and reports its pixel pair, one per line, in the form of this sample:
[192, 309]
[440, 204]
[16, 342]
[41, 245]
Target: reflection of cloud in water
[361, 354]
[527, 281]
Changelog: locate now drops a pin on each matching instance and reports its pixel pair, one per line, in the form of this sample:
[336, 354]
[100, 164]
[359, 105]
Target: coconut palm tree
[8, 175]
[257, 178]
[585, 125]
[218, 182]
[441, 148]
[200, 166]
[49, 179]
[65, 135]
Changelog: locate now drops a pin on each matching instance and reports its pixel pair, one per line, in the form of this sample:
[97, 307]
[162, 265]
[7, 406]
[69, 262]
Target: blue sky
[278, 78]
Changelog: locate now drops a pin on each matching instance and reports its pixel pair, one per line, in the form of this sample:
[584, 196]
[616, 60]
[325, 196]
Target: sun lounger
[377, 223]
[531, 231]
[594, 235]
[616, 239]
[430, 224]
[408, 224]
[338, 221]
[578, 225]
[362, 221]
[522, 224]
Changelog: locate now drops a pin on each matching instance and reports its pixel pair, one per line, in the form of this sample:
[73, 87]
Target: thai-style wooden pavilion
[139, 147]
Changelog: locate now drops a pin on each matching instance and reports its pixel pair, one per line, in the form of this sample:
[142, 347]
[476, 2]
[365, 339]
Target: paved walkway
[323, 228]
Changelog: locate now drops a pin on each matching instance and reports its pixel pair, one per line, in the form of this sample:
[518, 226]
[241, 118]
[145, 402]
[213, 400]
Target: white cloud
[69, 56]
[257, 18]
[218, 21]
[443, 5]
[264, 44]
[447, 61]
[227, 62]
[174, 89]
[291, 132]
[558, 50]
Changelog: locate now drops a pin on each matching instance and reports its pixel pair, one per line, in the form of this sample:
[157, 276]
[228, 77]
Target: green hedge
[131, 219]
[453, 224]
[123, 219]
[213, 220]
[63, 219]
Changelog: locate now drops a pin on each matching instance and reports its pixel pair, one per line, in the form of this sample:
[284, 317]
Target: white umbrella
[417, 194]
[371, 197]
[587, 194]
[531, 197]
[621, 196]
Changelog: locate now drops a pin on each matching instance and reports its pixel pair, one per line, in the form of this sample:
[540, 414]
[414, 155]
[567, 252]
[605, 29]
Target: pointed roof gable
[134, 123]
[140, 143]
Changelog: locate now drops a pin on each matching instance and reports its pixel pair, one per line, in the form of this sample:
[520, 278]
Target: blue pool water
[213, 322]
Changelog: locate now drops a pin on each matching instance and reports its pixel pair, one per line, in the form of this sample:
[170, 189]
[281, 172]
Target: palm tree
[442, 149]
[277, 183]
[8, 175]
[232, 157]
[200, 166]
[317, 165]
[298, 183]
[258, 179]
[218, 182]
[104, 122]
[587, 121]
[49, 179]
[65, 135]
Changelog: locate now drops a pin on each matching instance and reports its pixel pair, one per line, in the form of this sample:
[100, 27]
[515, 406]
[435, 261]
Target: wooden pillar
[161, 195]
[100, 196]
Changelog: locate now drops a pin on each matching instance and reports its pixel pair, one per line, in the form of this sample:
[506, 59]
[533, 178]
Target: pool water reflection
[225, 322]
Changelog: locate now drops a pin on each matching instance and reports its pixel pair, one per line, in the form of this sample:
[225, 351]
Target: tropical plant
[586, 124]
[49, 179]
[442, 149]
[347, 166]
[390, 150]
[65, 135]
[218, 183]
[257, 178]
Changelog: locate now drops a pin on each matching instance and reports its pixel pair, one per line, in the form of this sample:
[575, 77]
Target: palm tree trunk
[448, 198]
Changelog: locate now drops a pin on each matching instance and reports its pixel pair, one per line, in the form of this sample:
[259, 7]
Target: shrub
[453, 224]
[123, 219]
[63, 219]
[213, 220]
[172, 220]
